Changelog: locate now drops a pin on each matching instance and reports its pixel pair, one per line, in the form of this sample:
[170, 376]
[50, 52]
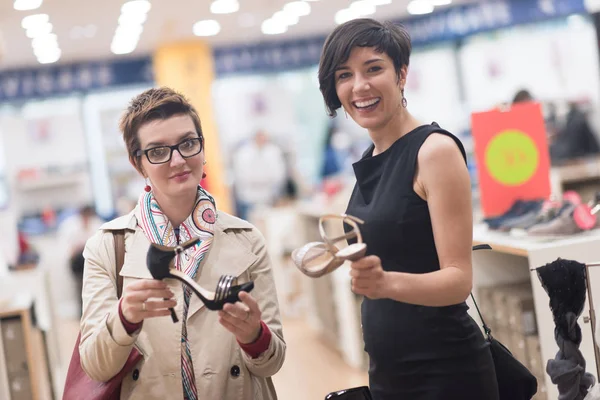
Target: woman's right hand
[136, 303]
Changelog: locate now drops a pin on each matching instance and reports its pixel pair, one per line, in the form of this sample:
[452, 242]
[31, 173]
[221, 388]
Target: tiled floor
[311, 369]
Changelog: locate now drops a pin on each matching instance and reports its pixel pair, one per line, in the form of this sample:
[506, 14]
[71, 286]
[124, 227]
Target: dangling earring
[147, 188]
[345, 112]
[404, 101]
[204, 173]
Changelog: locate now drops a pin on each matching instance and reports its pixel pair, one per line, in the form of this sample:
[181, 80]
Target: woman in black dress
[414, 194]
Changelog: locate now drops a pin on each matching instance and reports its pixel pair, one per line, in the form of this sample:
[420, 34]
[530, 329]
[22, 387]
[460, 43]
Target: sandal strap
[224, 287]
[350, 220]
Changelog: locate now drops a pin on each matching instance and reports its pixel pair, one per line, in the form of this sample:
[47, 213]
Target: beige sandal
[316, 259]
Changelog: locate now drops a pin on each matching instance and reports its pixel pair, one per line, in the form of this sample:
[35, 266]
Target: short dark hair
[522, 96]
[153, 104]
[385, 37]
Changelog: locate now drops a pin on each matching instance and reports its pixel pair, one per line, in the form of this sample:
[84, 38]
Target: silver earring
[404, 101]
[204, 163]
[345, 112]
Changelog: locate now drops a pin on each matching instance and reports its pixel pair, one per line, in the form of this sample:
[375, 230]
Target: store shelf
[513, 260]
[522, 245]
[578, 170]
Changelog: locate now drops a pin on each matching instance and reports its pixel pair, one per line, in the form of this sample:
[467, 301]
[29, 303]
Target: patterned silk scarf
[158, 229]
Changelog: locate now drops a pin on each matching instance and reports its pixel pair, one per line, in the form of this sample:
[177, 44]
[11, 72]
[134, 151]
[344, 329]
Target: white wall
[46, 136]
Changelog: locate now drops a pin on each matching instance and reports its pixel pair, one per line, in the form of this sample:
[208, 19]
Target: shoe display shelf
[30, 367]
[510, 262]
[581, 175]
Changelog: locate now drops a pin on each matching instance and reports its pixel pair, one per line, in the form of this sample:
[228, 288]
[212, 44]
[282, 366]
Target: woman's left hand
[242, 318]
[369, 278]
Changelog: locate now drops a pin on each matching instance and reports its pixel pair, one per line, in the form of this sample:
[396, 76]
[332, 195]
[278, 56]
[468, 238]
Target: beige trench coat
[223, 371]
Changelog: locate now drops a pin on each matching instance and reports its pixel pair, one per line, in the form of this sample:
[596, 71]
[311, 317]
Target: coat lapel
[227, 256]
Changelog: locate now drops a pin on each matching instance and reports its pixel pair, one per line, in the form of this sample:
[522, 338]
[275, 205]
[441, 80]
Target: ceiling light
[26, 5]
[129, 30]
[31, 21]
[299, 8]
[345, 15]
[43, 52]
[273, 27]
[49, 57]
[419, 7]
[362, 8]
[380, 2]
[39, 30]
[224, 6]
[286, 18]
[208, 27]
[45, 41]
[132, 19]
[121, 45]
[136, 7]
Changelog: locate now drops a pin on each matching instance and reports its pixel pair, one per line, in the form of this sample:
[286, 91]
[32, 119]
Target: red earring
[203, 175]
[147, 188]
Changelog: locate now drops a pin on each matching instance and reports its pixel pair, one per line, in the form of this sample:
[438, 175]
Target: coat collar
[129, 221]
[228, 255]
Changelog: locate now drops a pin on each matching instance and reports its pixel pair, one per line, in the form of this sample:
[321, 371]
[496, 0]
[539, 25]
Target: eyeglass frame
[172, 148]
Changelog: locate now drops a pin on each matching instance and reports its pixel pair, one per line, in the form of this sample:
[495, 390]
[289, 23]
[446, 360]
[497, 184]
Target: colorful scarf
[158, 229]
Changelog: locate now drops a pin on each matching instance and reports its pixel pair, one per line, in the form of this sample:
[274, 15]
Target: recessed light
[132, 18]
[45, 41]
[440, 2]
[362, 8]
[26, 5]
[286, 18]
[135, 7]
[379, 2]
[224, 6]
[273, 27]
[419, 7]
[31, 21]
[49, 57]
[208, 27]
[299, 8]
[345, 15]
[39, 30]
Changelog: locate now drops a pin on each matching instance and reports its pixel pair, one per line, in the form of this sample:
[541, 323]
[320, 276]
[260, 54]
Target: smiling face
[369, 88]
[179, 176]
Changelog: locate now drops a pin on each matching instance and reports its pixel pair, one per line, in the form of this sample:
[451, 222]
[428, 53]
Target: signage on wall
[512, 156]
[449, 24]
[65, 79]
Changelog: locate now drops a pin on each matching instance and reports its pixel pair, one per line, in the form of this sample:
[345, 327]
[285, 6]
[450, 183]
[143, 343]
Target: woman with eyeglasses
[230, 353]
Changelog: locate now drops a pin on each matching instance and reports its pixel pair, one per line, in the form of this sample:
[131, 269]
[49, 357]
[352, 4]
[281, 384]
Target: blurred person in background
[74, 231]
[260, 174]
[229, 354]
[414, 194]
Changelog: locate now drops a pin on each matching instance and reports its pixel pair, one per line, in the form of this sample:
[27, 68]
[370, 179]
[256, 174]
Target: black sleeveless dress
[416, 352]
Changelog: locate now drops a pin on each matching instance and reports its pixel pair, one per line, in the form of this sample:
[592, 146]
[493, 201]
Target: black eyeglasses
[162, 154]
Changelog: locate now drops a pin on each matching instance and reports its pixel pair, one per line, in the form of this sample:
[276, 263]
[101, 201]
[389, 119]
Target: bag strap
[119, 237]
[486, 329]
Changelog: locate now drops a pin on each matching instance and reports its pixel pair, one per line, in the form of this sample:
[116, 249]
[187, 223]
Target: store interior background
[60, 148]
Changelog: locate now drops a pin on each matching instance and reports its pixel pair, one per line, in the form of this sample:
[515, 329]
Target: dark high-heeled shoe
[159, 261]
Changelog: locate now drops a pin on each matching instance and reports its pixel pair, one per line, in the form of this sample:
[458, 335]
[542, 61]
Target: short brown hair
[151, 105]
[385, 37]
